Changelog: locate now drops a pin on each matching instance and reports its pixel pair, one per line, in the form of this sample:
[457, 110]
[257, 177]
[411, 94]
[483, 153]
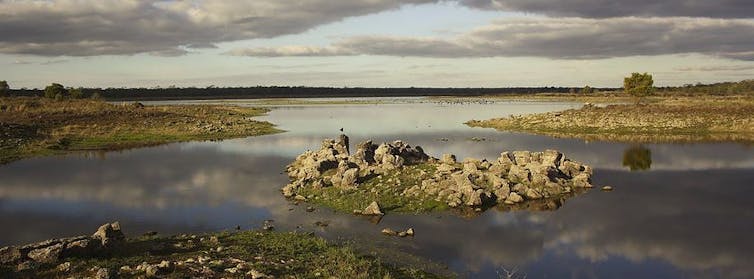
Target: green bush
[639, 85]
[53, 90]
[76, 93]
[4, 89]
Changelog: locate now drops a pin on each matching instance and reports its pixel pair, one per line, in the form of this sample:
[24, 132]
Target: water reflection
[691, 214]
[637, 158]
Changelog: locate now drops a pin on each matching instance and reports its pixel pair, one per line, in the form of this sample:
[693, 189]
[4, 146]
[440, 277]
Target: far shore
[656, 120]
[33, 127]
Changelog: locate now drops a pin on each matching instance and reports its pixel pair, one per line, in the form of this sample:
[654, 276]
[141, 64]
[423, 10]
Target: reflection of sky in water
[691, 213]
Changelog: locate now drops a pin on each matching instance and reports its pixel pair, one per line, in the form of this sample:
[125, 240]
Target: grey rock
[514, 198]
[10, 254]
[449, 159]
[109, 235]
[372, 209]
[49, 254]
[104, 273]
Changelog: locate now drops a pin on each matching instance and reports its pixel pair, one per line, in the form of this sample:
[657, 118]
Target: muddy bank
[398, 177]
[668, 120]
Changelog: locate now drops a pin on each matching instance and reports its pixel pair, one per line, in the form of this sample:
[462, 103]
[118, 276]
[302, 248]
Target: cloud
[611, 8]
[114, 27]
[558, 38]
[719, 68]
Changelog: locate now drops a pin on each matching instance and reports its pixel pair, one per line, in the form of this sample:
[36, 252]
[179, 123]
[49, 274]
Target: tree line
[638, 85]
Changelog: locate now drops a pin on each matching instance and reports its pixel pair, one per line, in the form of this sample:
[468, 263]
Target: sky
[373, 43]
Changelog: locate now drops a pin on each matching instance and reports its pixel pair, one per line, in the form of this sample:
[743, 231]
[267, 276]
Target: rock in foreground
[404, 178]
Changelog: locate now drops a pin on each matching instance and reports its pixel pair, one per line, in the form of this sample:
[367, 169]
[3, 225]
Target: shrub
[4, 89]
[639, 85]
[76, 93]
[53, 90]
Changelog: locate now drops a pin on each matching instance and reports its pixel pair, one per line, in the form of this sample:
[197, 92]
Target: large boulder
[109, 235]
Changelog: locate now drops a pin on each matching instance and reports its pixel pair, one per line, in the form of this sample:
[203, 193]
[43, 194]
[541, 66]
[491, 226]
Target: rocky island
[398, 177]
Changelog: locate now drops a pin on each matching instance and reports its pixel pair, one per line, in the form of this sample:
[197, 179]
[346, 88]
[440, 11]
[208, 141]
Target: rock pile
[108, 236]
[513, 178]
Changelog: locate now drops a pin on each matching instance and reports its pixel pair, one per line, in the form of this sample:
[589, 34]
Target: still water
[685, 211]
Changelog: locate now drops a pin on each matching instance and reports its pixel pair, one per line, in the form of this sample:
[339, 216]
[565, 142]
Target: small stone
[410, 232]
[514, 198]
[125, 269]
[151, 271]
[256, 274]
[103, 273]
[64, 267]
[309, 209]
[373, 209]
[607, 188]
[23, 266]
[402, 234]
[388, 231]
[49, 254]
[214, 239]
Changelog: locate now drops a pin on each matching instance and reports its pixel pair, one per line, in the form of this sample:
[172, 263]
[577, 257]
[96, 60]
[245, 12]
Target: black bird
[341, 129]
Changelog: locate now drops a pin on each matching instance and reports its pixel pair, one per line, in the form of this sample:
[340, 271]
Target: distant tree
[96, 95]
[4, 89]
[637, 158]
[639, 85]
[587, 90]
[76, 93]
[53, 90]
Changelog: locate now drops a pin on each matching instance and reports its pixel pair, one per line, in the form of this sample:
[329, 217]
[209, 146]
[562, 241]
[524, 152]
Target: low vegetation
[42, 126]
[679, 119]
[243, 254]
[387, 188]
[396, 177]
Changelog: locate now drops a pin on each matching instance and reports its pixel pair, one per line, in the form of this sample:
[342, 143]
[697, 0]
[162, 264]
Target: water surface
[688, 214]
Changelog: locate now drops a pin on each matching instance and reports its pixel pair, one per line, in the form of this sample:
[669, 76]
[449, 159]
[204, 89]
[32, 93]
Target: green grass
[280, 254]
[383, 189]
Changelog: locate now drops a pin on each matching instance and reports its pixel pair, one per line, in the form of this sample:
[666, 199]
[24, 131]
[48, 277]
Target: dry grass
[684, 119]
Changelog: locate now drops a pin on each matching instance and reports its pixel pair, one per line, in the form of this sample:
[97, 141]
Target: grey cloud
[110, 27]
[612, 8]
[719, 68]
[559, 38]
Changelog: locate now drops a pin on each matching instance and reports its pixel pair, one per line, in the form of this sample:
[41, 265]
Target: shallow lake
[687, 213]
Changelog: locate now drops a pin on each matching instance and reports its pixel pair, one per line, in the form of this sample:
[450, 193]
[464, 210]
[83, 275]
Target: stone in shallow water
[372, 209]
